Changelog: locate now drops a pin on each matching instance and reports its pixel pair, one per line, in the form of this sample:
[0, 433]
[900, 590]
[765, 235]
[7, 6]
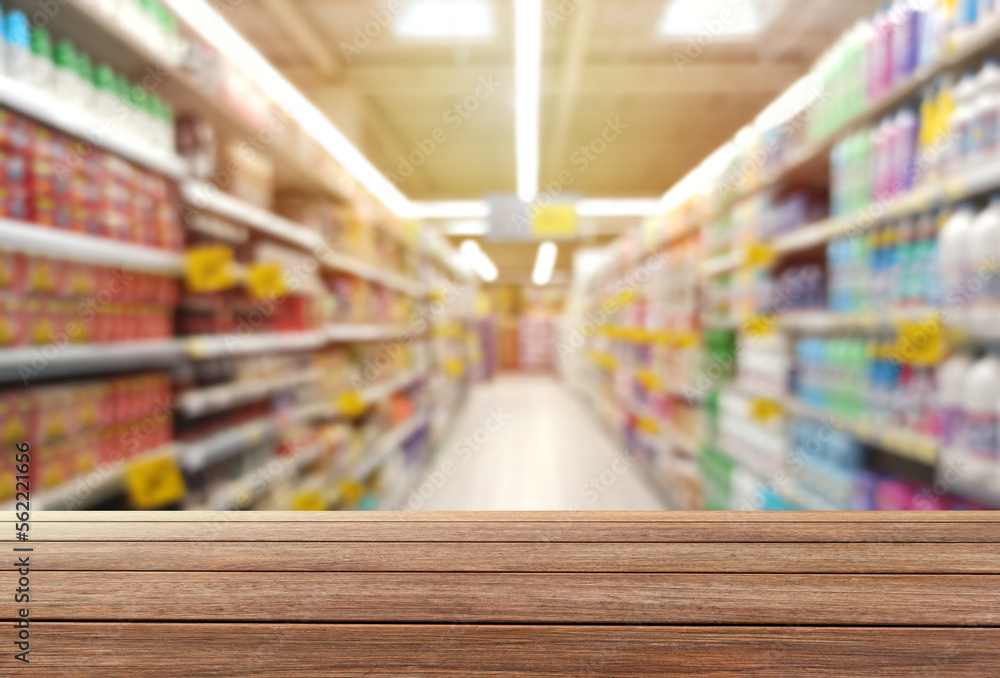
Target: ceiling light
[465, 227]
[217, 32]
[618, 208]
[451, 209]
[545, 263]
[445, 19]
[719, 18]
[479, 261]
[528, 80]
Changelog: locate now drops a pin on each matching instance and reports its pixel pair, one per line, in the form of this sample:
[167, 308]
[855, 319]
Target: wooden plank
[716, 599]
[514, 557]
[561, 517]
[844, 532]
[461, 651]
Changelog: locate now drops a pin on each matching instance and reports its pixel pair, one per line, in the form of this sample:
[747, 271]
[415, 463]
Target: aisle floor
[525, 442]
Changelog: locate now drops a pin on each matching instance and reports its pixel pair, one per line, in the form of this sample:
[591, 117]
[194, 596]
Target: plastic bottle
[17, 43]
[983, 262]
[953, 246]
[950, 379]
[66, 82]
[925, 279]
[905, 39]
[42, 66]
[105, 97]
[906, 148]
[980, 399]
[960, 125]
[986, 117]
[85, 82]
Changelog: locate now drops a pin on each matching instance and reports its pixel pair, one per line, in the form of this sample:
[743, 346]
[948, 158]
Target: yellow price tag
[759, 255]
[954, 190]
[209, 269]
[195, 348]
[154, 482]
[266, 281]
[759, 325]
[351, 491]
[350, 404]
[454, 367]
[647, 425]
[649, 380]
[308, 500]
[920, 343]
[764, 409]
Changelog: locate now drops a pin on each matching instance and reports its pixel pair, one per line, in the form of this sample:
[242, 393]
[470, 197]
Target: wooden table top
[507, 594]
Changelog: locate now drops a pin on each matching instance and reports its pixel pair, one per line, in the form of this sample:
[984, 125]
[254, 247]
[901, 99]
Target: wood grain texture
[515, 531]
[521, 594]
[561, 517]
[577, 598]
[814, 558]
[467, 651]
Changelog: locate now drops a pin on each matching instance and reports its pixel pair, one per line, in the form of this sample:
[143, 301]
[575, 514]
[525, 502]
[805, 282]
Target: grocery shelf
[248, 488]
[233, 344]
[721, 264]
[973, 47]
[210, 450]
[901, 442]
[20, 236]
[195, 456]
[198, 402]
[91, 489]
[388, 443]
[966, 184]
[49, 110]
[203, 196]
[28, 364]
[822, 322]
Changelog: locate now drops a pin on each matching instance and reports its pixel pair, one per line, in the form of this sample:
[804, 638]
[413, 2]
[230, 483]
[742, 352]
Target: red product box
[44, 276]
[12, 322]
[16, 131]
[11, 271]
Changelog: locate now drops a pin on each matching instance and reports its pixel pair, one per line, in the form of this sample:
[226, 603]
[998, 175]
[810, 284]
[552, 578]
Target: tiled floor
[528, 443]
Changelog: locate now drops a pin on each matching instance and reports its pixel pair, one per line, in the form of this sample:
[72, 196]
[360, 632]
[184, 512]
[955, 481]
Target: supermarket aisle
[526, 443]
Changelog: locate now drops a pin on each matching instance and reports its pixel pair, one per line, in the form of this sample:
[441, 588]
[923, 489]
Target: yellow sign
[764, 409]
[350, 404]
[759, 325]
[454, 367]
[351, 491]
[555, 222]
[308, 500]
[266, 281]
[649, 380]
[647, 426]
[154, 482]
[209, 269]
[759, 255]
[920, 343]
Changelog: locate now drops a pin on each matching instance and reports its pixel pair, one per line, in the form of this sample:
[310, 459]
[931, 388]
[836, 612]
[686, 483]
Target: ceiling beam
[289, 19]
[574, 57]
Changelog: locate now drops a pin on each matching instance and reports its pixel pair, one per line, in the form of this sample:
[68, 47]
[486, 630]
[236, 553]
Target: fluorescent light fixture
[545, 263]
[216, 31]
[445, 19]
[527, 93]
[459, 227]
[618, 208]
[725, 19]
[451, 209]
[745, 138]
[479, 261]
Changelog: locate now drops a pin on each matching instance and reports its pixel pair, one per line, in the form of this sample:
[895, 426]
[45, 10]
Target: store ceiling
[604, 60]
